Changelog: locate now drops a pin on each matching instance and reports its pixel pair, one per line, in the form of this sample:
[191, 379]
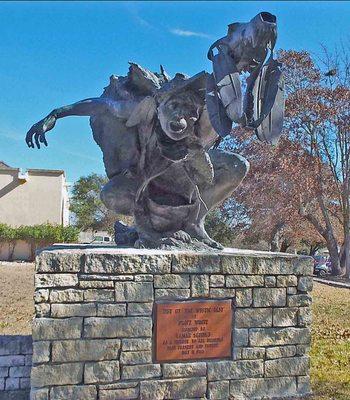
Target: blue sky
[55, 53]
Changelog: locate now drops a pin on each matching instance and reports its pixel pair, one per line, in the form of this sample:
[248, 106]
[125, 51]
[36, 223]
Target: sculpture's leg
[119, 194]
[229, 171]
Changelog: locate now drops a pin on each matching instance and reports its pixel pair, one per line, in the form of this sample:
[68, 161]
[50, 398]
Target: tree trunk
[284, 246]
[334, 256]
[313, 249]
[12, 246]
[276, 237]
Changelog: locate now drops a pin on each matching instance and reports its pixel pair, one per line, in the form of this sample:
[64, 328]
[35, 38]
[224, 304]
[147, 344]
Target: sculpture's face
[178, 114]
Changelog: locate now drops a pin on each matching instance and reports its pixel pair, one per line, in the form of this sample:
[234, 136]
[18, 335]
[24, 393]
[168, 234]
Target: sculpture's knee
[230, 168]
[239, 167]
[108, 198]
[118, 195]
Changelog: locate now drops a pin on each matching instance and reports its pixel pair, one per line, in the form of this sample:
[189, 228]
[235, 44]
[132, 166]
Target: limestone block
[55, 280]
[217, 281]
[253, 317]
[96, 284]
[42, 310]
[134, 291]
[269, 297]
[56, 262]
[73, 310]
[11, 361]
[193, 263]
[287, 280]
[184, 370]
[235, 369]
[20, 372]
[120, 394]
[263, 387]
[292, 290]
[287, 366]
[144, 278]
[172, 294]
[280, 352]
[85, 350]
[145, 371]
[140, 308]
[56, 374]
[279, 336]
[302, 349]
[200, 285]
[219, 390]
[106, 278]
[11, 384]
[136, 344]
[238, 265]
[272, 265]
[305, 283]
[222, 293]
[41, 295]
[304, 316]
[86, 392]
[303, 384]
[244, 281]
[122, 264]
[67, 296]
[303, 266]
[111, 310]
[39, 394]
[55, 329]
[100, 295]
[252, 353]
[136, 357]
[172, 281]
[285, 316]
[299, 300]
[99, 327]
[24, 383]
[2, 384]
[240, 337]
[41, 352]
[101, 372]
[119, 385]
[270, 281]
[244, 297]
[4, 372]
[175, 389]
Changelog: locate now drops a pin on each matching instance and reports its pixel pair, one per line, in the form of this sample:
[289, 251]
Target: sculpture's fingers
[29, 138]
[43, 139]
[36, 138]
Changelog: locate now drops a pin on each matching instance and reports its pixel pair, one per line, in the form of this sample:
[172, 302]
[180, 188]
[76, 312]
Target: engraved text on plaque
[191, 330]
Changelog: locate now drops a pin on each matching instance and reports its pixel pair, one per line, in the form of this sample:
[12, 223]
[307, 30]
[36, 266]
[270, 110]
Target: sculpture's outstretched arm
[87, 107]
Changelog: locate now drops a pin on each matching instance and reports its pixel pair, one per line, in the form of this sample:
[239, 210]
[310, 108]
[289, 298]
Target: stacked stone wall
[15, 365]
[93, 331]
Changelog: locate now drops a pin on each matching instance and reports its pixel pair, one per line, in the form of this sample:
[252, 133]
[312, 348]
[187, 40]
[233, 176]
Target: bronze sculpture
[157, 135]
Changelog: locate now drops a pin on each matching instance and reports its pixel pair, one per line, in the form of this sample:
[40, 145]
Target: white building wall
[41, 197]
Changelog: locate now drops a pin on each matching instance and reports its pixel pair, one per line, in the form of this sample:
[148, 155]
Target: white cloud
[186, 33]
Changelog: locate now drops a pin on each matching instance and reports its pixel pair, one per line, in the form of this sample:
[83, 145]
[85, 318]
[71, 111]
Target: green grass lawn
[330, 351]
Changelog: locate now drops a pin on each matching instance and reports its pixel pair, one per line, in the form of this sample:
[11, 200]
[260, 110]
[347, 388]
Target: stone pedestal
[93, 333]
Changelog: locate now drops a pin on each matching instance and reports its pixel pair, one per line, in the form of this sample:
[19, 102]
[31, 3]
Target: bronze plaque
[193, 330]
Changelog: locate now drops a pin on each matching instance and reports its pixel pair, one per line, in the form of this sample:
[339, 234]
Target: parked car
[322, 266]
[101, 239]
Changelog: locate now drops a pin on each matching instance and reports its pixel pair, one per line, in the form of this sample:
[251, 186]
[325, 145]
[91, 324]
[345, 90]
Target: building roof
[4, 165]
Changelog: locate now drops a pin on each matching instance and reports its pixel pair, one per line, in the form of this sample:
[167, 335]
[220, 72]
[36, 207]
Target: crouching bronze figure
[158, 135]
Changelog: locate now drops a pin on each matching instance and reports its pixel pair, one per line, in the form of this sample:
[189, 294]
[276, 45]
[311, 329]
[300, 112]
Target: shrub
[37, 235]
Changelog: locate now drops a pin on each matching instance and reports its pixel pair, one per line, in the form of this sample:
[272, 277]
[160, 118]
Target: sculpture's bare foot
[182, 236]
[198, 232]
[212, 243]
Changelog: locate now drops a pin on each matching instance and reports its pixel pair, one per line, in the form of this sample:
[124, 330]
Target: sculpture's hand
[38, 130]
